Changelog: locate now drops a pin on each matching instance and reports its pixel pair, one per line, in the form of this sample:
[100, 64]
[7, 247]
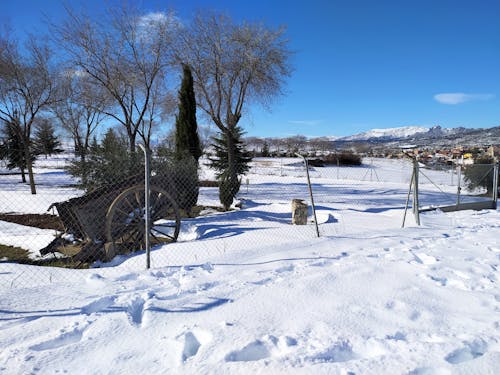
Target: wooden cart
[111, 219]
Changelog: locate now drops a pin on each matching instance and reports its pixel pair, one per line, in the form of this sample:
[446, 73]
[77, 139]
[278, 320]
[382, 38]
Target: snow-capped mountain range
[435, 135]
[392, 133]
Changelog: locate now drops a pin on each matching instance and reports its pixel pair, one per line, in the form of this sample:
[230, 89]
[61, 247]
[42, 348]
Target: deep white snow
[245, 292]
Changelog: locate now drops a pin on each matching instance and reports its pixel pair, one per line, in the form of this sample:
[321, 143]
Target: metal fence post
[310, 193]
[416, 210]
[495, 183]
[147, 210]
[459, 188]
[408, 197]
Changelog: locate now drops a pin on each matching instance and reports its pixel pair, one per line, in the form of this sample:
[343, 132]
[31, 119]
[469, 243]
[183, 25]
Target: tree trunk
[23, 175]
[29, 166]
[229, 186]
[231, 158]
[131, 141]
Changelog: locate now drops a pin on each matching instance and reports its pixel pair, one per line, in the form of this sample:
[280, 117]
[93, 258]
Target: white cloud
[151, 24]
[305, 122]
[459, 97]
[69, 73]
[153, 19]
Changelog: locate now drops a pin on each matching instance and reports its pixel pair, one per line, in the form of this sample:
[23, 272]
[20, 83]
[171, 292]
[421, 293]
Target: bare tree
[80, 109]
[322, 144]
[295, 144]
[26, 90]
[277, 145]
[233, 65]
[126, 54]
[254, 144]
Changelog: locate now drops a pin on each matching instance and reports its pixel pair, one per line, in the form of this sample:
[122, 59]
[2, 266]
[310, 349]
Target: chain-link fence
[95, 217]
[456, 187]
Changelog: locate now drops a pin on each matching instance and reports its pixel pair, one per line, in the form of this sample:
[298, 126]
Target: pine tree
[45, 141]
[265, 150]
[228, 184]
[12, 149]
[186, 127]
[106, 163]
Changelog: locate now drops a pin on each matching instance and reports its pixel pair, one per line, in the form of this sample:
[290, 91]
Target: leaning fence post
[416, 209]
[408, 197]
[147, 211]
[496, 171]
[310, 193]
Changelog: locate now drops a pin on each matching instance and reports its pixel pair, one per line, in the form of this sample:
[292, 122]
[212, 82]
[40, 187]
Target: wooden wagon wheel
[125, 220]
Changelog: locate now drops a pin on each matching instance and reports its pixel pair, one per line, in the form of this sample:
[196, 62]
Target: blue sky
[358, 64]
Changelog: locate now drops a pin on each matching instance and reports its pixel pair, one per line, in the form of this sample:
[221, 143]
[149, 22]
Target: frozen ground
[244, 292]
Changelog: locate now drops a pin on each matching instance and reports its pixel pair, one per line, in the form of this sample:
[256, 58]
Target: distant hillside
[433, 137]
[389, 133]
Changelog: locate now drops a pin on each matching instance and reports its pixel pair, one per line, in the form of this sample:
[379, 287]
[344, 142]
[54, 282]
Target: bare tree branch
[125, 54]
[26, 89]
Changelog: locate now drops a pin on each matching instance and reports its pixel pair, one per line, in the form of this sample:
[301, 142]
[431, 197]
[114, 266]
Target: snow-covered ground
[245, 292]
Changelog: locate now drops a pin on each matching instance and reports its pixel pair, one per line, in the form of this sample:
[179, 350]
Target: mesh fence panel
[456, 184]
[67, 230]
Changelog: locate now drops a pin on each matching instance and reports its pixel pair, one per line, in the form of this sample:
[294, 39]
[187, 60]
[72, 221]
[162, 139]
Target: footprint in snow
[191, 346]
[321, 263]
[341, 351]
[260, 349]
[424, 259]
[443, 281]
[398, 336]
[430, 371]
[98, 305]
[415, 315]
[469, 351]
[64, 339]
[265, 281]
[288, 268]
[128, 277]
[135, 311]
[252, 352]
[193, 340]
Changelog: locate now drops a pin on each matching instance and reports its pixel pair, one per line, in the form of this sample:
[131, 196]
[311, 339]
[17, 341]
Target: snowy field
[245, 292]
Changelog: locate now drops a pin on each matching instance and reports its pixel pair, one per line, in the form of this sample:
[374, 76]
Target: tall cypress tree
[186, 127]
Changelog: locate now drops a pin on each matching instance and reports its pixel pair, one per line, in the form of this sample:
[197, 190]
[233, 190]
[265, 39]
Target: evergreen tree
[45, 141]
[178, 177]
[265, 150]
[107, 163]
[12, 149]
[187, 145]
[228, 184]
[186, 127]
